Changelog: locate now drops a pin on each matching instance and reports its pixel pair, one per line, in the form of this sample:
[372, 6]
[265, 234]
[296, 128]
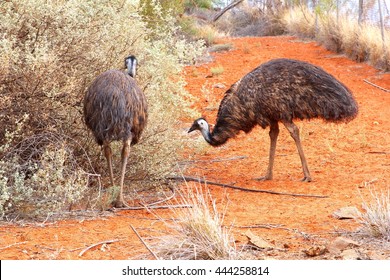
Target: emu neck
[131, 69]
[206, 134]
[215, 138]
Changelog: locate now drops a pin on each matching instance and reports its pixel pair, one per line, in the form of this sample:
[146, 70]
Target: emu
[115, 109]
[280, 90]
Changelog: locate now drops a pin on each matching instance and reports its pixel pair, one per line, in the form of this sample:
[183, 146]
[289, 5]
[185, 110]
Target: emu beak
[194, 126]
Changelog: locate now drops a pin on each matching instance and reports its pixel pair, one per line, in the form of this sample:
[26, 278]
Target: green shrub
[41, 185]
[203, 4]
[50, 51]
[155, 12]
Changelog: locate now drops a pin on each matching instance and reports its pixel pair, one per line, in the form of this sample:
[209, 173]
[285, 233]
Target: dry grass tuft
[376, 218]
[217, 70]
[196, 232]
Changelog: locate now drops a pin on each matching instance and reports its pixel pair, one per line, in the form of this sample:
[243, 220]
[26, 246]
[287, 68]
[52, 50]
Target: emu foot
[120, 203]
[263, 178]
[306, 179]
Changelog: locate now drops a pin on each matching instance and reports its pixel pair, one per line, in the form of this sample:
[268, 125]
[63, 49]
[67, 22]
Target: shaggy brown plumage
[115, 109]
[280, 90]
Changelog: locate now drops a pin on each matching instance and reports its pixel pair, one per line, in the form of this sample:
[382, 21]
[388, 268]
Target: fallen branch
[227, 8]
[195, 179]
[374, 85]
[97, 244]
[143, 242]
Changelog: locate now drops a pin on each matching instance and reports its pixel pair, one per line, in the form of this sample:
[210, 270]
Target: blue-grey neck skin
[131, 65]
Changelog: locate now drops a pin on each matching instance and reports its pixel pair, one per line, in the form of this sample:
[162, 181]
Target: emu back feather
[282, 90]
[115, 108]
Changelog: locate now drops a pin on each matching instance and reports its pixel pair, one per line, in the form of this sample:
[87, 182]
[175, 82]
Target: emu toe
[120, 203]
[263, 178]
[306, 179]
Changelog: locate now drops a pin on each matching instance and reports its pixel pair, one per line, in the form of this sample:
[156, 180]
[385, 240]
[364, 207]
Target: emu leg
[108, 154]
[273, 134]
[120, 202]
[294, 132]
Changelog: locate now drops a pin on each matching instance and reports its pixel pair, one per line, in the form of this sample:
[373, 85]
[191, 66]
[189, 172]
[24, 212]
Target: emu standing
[280, 90]
[115, 109]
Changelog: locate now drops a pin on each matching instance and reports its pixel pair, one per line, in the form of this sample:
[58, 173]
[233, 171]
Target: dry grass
[300, 22]
[245, 20]
[208, 33]
[217, 70]
[376, 218]
[360, 42]
[196, 232]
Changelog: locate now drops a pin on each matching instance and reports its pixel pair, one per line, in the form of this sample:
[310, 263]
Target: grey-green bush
[49, 53]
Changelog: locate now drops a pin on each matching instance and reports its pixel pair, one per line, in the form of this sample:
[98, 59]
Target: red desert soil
[345, 160]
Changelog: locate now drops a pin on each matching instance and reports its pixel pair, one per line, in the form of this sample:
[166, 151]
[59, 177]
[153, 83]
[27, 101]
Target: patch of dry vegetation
[246, 20]
[50, 51]
[375, 219]
[360, 42]
[196, 232]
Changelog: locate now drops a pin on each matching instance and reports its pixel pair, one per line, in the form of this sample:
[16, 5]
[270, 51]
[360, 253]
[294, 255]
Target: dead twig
[374, 85]
[267, 226]
[163, 200]
[146, 207]
[11, 245]
[97, 244]
[215, 160]
[195, 179]
[143, 242]
[153, 205]
[276, 226]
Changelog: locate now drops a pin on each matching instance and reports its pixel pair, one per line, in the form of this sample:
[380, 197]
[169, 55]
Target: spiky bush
[50, 51]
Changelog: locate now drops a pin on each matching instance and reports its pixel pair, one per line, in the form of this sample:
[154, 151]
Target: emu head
[201, 125]
[131, 65]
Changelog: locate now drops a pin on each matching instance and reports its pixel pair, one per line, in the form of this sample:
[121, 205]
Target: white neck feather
[205, 130]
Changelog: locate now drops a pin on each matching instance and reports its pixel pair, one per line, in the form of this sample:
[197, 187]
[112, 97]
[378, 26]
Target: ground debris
[349, 212]
[315, 251]
[353, 254]
[257, 241]
[340, 244]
